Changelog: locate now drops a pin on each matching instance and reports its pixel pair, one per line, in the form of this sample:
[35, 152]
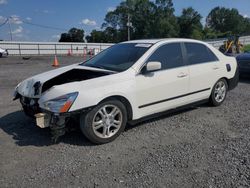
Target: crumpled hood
[27, 87]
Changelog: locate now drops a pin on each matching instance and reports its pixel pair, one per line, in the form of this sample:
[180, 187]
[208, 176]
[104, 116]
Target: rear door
[204, 68]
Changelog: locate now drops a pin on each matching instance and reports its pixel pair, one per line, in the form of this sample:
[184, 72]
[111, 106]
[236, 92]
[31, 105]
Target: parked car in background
[244, 63]
[126, 82]
[3, 52]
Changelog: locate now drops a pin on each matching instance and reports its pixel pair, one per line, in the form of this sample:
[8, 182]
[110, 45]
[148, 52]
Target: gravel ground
[197, 147]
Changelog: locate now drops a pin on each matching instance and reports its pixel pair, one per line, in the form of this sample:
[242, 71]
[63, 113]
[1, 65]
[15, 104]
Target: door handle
[216, 68]
[182, 75]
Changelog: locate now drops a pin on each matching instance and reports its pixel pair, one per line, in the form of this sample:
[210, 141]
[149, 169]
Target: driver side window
[170, 56]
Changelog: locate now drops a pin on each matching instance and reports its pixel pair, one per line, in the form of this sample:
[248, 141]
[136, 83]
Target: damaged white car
[3, 52]
[126, 82]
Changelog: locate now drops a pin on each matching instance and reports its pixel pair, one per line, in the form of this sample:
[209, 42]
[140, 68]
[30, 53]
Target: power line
[8, 20]
[34, 24]
[4, 22]
[44, 26]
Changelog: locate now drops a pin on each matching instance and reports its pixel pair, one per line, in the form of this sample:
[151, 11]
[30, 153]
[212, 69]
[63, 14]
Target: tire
[1, 55]
[99, 126]
[219, 92]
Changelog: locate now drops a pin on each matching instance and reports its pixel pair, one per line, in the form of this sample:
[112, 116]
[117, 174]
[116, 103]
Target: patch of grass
[246, 48]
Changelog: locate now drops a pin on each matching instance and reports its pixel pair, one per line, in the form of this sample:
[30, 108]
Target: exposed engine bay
[73, 75]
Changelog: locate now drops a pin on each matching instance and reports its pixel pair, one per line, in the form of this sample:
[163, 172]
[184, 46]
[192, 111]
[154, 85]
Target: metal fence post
[38, 48]
[19, 47]
[55, 50]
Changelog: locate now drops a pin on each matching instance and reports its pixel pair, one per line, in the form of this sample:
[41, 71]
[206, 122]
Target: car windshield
[118, 57]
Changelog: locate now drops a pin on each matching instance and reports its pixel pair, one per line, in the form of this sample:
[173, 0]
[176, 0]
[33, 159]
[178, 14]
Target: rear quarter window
[199, 53]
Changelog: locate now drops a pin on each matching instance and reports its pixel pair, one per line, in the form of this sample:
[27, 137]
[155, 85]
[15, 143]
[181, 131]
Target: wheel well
[125, 102]
[226, 80]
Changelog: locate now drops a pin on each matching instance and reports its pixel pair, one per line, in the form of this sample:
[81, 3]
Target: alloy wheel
[107, 121]
[220, 91]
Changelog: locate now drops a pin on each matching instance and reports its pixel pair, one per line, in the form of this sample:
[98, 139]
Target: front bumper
[44, 120]
[56, 122]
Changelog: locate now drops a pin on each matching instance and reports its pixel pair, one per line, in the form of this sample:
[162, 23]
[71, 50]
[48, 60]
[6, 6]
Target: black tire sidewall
[87, 118]
[1, 55]
[212, 97]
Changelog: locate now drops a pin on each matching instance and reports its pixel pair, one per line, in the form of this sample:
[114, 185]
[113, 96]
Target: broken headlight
[61, 104]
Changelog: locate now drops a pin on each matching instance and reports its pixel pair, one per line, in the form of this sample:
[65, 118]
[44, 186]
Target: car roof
[154, 41]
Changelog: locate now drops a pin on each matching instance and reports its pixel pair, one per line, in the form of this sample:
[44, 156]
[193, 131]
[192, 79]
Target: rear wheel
[1, 55]
[219, 92]
[105, 122]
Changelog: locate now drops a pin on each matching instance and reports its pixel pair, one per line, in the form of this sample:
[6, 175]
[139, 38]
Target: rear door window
[199, 53]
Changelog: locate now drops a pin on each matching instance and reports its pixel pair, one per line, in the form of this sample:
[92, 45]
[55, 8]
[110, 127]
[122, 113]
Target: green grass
[246, 48]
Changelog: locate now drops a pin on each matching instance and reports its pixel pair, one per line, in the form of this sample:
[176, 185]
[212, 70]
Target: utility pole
[129, 24]
[10, 29]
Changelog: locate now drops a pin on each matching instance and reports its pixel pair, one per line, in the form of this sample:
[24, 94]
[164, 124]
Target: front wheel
[105, 122]
[219, 92]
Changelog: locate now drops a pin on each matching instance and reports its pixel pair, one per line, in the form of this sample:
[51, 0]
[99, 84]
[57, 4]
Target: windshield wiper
[100, 67]
[95, 66]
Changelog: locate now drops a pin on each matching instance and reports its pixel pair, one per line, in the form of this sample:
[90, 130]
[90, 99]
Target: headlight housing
[61, 104]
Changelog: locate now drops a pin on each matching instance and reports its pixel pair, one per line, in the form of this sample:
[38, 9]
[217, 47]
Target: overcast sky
[85, 14]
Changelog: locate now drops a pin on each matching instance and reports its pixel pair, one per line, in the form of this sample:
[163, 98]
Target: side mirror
[151, 66]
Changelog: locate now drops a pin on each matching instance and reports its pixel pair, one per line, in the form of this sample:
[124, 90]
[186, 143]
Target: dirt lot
[198, 147]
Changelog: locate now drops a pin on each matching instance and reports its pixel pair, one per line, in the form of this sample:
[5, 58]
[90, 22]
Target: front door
[166, 88]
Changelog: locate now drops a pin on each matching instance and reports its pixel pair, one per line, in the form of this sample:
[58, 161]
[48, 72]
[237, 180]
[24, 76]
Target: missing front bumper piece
[57, 127]
[55, 122]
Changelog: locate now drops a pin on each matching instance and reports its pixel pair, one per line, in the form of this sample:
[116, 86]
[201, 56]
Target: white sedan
[3, 52]
[127, 82]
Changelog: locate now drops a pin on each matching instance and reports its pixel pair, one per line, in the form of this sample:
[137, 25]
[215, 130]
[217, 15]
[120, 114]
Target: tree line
[157, 20]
